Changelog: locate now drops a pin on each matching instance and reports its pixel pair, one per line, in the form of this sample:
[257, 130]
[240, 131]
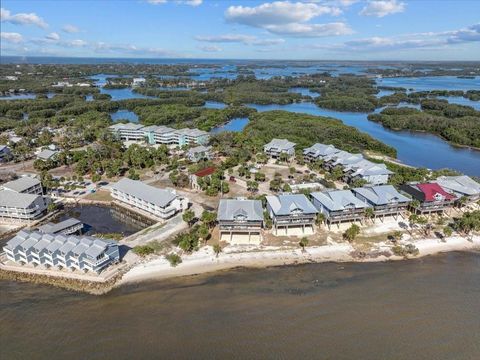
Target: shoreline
[205, 261]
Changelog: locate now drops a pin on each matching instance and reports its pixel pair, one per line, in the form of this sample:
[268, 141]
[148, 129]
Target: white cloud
[381, 8]
[210, 48]
[53, 36]
[22, 18]
[69, 28]
[76, 43]
[11, 37]
[288, 18]
[181, 2]
[239, 38]
[130, 49]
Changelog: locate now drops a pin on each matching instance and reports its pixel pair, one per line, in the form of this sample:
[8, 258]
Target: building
[5, 153]
[188, 136]
[385, 199]
[318, 152]
[202, 174]
[370, 172]
[138, 81]
[199, 153]
[339, 206]
[21, 207]
[461, 186]
[24, 185]
[68, 252]
[292, 214]
[431, 197]
[161, 203]
[276, 147]
[240, 221]
[128, 131]
[65, 227]
[306, 187]
[342, 159]
[47, 155]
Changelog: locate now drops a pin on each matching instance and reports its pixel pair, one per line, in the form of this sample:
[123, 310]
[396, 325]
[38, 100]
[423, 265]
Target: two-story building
[162, 203]
[21, 207]
[291, 214]
[461, 186]
[199, 153]
[342, 159]
[277, 147]
[370, 172]
[318, 152]
[240, 221]
[384, 199]
[24, 185]
[430, 197]
[339, 206]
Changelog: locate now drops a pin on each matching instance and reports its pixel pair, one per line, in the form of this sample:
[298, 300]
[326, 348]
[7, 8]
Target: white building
[20, 206]
[138, 81]
[276, 147]
[162, 203]
[25, 185]
[69, 252]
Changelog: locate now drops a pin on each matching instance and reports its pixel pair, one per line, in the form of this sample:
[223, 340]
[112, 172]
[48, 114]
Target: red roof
[431, 189]
[205, 172]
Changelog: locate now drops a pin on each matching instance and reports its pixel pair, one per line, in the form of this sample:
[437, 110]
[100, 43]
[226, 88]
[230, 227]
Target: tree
[423, 222]
[188, 242]
[396, 236]
[462, 201]
[303, 243]
[133, 175]
[252, 186]
[188, 216]
[217, 249]
[351, 233]
[413, 219]
[51, 207]
[447, 231]
[260, 177]
[203, 232]
[369, 213]
[209, 218]
[320, 219]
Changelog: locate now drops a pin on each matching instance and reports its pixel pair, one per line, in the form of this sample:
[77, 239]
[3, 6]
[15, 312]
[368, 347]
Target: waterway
[429, 83]
[124, 115]
[419, 309]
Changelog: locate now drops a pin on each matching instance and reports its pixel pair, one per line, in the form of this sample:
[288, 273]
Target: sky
[243, 29]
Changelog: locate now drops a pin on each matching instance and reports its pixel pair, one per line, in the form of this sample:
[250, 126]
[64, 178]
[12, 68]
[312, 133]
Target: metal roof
[336, 200]
[320, 150]
[462, 184]
[285, 204]
[381, 195]
[52, 228]
[150, 194]
[21, 184]
[229, 209]
[9, 198]
[281, 144]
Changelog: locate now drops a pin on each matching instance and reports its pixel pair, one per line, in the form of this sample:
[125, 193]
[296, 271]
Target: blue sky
[244, 29]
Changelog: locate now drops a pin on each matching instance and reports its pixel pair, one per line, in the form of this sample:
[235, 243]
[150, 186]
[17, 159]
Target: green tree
[209, 218]
[173, 259]
[188, 216]
[303, 243]
[217, 249]
[203, 232]
[351, 233]
[369, 213]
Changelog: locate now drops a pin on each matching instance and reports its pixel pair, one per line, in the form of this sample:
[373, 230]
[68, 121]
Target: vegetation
[405, 251]
[173, 259]
[351, 233]
[143, 250]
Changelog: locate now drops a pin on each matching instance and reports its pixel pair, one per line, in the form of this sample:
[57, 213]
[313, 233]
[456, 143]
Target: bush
[406, 250]
[173, 259]
[143, 250]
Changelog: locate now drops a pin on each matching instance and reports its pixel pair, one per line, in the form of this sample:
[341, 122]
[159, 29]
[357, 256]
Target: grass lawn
[100, 195]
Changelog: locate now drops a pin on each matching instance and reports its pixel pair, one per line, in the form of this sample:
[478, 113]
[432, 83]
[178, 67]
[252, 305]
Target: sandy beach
[205, 260]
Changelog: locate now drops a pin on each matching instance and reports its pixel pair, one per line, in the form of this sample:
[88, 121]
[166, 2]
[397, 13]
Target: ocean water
[420, 309]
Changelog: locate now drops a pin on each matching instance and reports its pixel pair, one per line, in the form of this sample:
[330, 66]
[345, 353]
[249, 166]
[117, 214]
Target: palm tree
[303, 243]
[320, 219]
[369, 213]
[188, 217]
[351, 233]
[217, 249]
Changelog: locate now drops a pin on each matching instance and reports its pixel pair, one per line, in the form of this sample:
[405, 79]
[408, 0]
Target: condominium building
[342, 159]
[162, 203]
[276, 147]
[129, 131]
[339, 206]
[370, 172]
[385, 199]
[24, 185]
[199, 153]
[69, 252]
[240, 221]
[461, 186]
[20, 206]
[318, 152]
[292, 214]
[430, 197]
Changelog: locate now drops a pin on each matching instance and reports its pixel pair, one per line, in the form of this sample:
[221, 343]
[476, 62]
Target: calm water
[429, 83]
[412, 148]
[304, 92]
[18, 97]
[124, 114]
[236, 124]
[462, 101]
[214, 105]
[425, 309]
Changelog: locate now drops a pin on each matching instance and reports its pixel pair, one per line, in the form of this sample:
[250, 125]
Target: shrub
[143, 250]
[173, 259]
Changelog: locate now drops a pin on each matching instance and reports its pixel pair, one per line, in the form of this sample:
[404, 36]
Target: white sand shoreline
[205, 261]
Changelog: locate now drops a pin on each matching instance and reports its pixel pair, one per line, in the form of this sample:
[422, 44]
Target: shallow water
[421, 309]
[124, 115]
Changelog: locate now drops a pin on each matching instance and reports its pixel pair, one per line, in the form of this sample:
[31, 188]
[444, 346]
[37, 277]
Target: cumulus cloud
[289, 18]
[210, 48]
[11, 37]
[182, 2]
[69, 28]
[22, 18]
[381, 8]
[239, 38]
[53, 36]
[130, 49]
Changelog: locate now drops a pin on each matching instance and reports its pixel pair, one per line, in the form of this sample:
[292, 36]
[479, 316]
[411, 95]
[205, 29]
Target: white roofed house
[199, 153]
[21, 207]
[72, 252]
[162, 203]
[385, 200]
[240, 221]
[292, 214]
[138, 81]
[277, 147]
[25, 185]
[342, 159]
[188, 136]
[339, 206]
[372, 173]
[128, 131]
[318, 152]
[461, 186]
[47, 155]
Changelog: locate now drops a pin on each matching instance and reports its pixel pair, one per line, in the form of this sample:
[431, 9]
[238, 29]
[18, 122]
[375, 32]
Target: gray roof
[51, 228]
[381, 195]
[199, 149]
[368, 168]
[21, 184]
[280, 144]
[126, 126]
[230, 209]
[345, 158]
[462, 184]
[46, 154]
[284, 204]
[164, 130]
[191, 132]
[336, 200]
[10, 198]
[320, 150]
[159, 197]
[78, 244]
